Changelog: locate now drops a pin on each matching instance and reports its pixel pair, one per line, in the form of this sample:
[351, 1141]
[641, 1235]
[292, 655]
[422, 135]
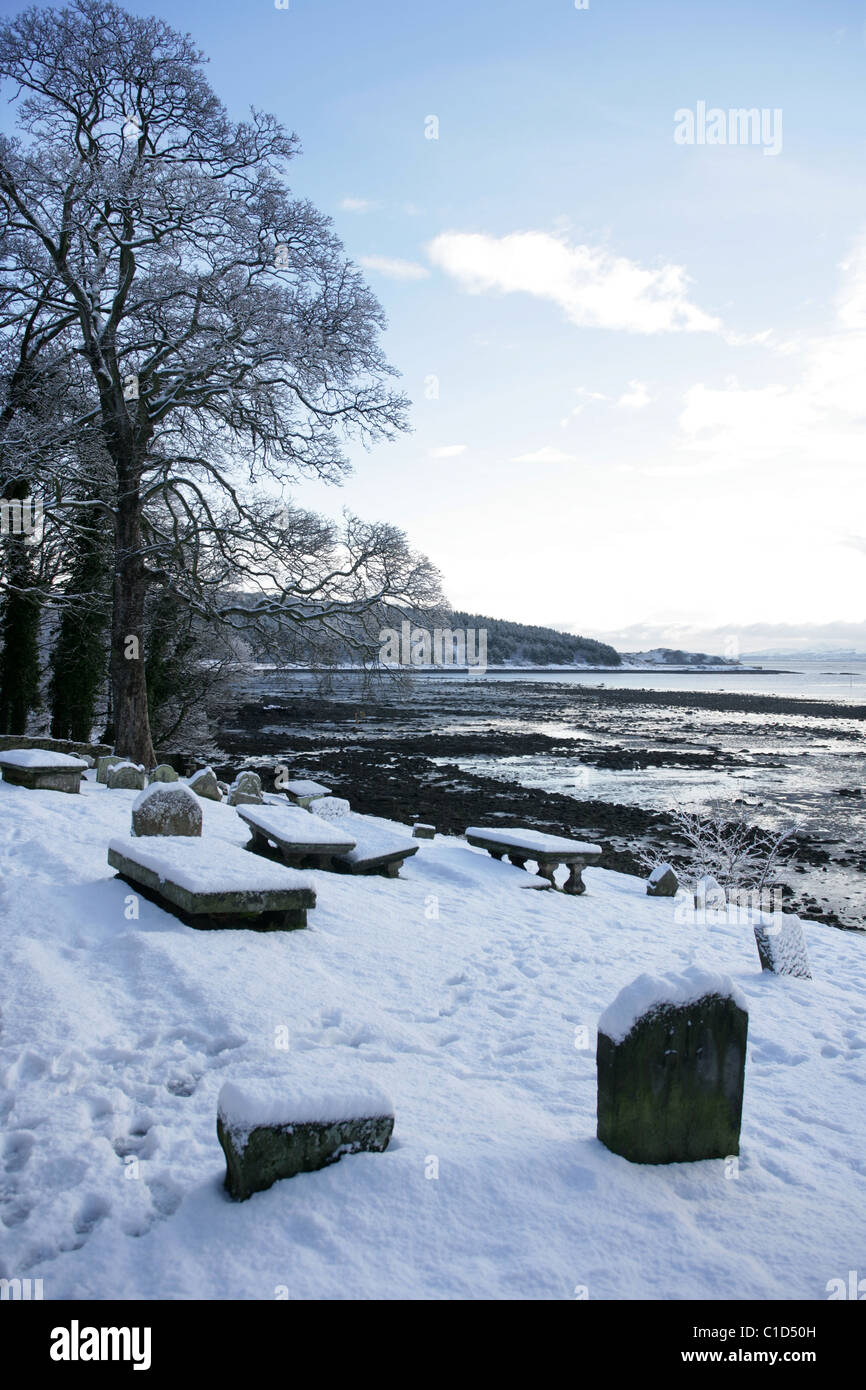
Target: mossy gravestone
[126, 777]
[671, 1063]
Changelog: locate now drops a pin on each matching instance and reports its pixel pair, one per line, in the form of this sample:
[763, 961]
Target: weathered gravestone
[246, 790]
[166, 809]
[710, 896]
[671, 1063]
[332, 807]
[277, 1129]
[662, 882]
[204, 783]
[126, 777]
[163, 773]
[781, 944]
[103, 764]
[423, 832]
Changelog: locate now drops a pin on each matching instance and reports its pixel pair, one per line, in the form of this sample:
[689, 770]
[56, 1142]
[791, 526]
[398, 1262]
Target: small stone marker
[104, 763]
[781, 945]
[671, 1061]
[204, 783]
[332, 807]
[166, 809]
[163, 773]
[246, 790]
[709, 895]
[662, 882]
[423, 832]
[126, 777]
[297, 1124]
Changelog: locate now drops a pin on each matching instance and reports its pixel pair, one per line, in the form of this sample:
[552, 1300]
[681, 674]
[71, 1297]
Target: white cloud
[358, 204]
[817, 420]
[394, 268]
[636, 397]
[446, 451]
[545, 455]
[593, 287]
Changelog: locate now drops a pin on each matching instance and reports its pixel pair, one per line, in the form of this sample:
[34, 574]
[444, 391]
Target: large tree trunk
[128, 685]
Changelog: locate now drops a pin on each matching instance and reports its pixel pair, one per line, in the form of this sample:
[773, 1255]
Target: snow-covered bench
[547, 851]
[302, 838]
[378, 850]
[210, 883]
[304, 791]
[42, 770]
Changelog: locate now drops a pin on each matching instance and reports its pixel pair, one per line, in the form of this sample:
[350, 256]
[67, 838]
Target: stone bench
[40, 769]
[378, 850]
[301, 838]
[209, 883]
[304, 791]
[547, 851]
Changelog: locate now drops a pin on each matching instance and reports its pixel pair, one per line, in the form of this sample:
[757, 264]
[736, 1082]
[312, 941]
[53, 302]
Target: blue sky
[650, 357]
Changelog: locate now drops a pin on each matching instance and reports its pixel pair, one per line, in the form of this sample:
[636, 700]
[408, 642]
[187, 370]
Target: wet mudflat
[602, 764]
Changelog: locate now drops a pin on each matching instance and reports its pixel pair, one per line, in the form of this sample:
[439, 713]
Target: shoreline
[400, 758]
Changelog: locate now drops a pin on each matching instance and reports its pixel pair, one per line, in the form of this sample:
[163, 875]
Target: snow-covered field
[473, 1002]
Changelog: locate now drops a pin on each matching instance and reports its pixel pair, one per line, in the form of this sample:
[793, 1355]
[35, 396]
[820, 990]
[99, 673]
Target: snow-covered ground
[473, 1003]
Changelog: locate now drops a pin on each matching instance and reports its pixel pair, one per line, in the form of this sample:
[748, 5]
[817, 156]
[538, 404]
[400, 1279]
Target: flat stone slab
[378, 849]
[275, 1129]
[671, 1061]
[521, 843]
[40, 769]
[299, 835]
[210, 883]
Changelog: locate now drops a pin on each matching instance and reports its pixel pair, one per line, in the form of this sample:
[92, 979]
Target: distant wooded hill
[539, 646]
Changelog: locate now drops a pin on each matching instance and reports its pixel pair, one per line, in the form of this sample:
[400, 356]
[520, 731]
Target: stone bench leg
[518, 860]
[547, 871]
[496, 853]
[392, 870]
[574, 884]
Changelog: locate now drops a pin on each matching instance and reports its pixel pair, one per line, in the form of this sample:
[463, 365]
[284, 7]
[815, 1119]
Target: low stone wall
[54, 745]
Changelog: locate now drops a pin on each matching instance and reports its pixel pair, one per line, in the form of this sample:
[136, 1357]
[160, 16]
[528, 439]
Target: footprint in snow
[17, 1150]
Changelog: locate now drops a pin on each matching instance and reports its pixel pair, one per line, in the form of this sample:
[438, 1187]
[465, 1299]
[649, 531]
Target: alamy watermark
[438, 647]
[737, 126]
[20, 516]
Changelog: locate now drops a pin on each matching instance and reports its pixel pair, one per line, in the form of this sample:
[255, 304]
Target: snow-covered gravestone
[671, 1063]
[332, 807]
[710, 896]
[781, 944]
[103, 765]
[246, 790]
[163, 773]
[166, 808]
[278, 1127]
[204, 783]
[126, 777]
[662, 882]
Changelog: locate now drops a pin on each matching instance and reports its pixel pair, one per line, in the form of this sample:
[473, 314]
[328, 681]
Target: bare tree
[225, 333]
[721, 843]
